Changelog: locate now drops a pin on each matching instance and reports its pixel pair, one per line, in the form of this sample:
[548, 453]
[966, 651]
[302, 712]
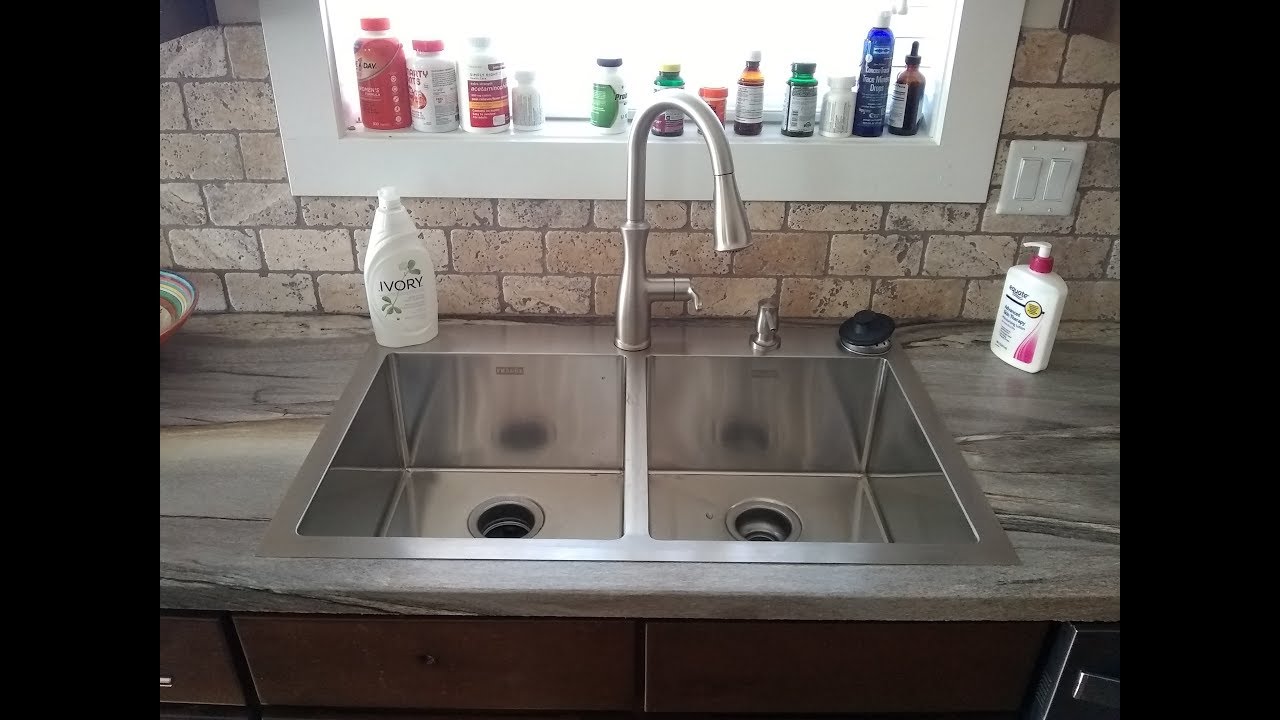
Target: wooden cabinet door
[804, 667]
[196, 664]
[426, 663]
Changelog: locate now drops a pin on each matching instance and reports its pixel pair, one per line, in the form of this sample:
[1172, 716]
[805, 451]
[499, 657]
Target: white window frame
[565, 161]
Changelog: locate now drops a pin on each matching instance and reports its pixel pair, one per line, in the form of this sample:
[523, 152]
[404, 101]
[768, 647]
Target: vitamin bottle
[526, 103]
[801, 102]
[382, 76]
[748, 115]
[671, 122]
[609, 98]
[433, 92]
[716, 98]
[837, 108]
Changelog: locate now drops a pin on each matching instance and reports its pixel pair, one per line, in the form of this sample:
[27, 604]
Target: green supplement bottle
[801, 103]
[609, 98]
[671, 122]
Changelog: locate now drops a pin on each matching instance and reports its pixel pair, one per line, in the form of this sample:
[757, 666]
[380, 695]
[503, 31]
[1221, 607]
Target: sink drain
[506, 517]
[761, 520]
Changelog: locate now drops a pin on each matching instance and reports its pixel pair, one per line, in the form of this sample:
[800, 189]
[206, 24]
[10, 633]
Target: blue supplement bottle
[874, 79]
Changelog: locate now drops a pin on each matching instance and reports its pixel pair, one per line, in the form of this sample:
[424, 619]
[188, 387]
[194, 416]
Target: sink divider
[635, 438]
[393, 504]
[402, 445]
[397, 410]
[864, 456]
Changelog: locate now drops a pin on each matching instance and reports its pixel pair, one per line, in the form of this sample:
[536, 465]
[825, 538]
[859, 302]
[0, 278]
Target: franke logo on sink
[511, 370]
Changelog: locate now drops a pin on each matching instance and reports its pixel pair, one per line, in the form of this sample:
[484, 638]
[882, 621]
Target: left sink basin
[471, 445]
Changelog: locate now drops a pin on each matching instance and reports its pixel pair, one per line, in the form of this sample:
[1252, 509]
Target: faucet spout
[726, 188]
[731, 230]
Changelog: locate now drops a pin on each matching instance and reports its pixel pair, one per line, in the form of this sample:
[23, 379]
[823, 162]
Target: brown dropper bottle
[903, 117]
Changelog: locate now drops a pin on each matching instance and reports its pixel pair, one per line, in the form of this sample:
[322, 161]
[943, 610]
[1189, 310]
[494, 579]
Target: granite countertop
[242, 398]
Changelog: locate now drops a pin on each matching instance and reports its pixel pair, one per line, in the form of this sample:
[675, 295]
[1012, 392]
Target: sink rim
[281, 539]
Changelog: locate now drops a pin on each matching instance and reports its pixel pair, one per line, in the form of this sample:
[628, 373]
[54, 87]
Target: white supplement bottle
[1030, 309]
[433, 88]
[837, 108]
[399, 277]
[609, 98]
[485, 104]
[526, 103]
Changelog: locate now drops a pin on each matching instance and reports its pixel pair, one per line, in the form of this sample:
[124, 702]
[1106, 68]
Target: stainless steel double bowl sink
[545, 442]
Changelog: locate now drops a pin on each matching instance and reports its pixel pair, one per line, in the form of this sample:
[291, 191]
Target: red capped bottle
[382, 76]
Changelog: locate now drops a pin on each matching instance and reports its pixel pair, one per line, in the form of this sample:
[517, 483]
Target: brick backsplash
[229, 223]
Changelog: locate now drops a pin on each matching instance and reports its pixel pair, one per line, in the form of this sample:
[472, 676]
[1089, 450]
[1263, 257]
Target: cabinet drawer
[436, 663]
[838, 667]
[195, 663]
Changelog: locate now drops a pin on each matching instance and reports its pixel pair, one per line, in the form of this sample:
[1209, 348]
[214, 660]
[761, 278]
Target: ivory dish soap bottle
[399, 277]
[1030, 310]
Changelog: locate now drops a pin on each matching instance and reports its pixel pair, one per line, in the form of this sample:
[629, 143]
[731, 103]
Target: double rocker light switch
[1040, 177]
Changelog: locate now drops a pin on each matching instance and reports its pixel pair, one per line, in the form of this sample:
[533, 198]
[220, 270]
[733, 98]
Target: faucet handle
[678, 289]
[693, 295]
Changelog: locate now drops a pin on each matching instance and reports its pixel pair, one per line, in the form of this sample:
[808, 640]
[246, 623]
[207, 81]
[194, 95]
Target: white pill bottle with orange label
[1029, 311]
[485, 103]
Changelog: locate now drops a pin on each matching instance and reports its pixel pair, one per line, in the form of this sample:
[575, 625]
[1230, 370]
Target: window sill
[567, 161]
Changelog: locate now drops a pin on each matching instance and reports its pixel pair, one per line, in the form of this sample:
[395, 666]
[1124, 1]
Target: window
[562, 40]
[967, 46]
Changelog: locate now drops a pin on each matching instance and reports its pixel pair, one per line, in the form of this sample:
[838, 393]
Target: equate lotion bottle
[399, 277]
[1030, 309]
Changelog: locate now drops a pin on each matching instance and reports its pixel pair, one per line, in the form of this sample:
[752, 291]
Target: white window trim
[565, 162]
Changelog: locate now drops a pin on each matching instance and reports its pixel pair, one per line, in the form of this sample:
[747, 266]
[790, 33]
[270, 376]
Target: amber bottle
[749, 114]
[903, 117]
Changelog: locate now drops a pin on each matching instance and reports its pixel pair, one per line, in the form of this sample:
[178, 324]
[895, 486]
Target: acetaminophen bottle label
[488, 102]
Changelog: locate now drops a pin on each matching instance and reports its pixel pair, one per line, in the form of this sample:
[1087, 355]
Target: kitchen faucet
[636, 289]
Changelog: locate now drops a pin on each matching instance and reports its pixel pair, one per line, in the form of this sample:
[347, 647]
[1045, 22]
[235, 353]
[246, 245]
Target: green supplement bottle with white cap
[801, 103]
[671, 122]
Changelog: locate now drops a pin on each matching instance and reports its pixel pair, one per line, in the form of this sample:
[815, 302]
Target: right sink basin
[793, 449]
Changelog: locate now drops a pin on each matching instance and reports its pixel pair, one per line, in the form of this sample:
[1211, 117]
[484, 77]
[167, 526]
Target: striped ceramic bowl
[177, 299]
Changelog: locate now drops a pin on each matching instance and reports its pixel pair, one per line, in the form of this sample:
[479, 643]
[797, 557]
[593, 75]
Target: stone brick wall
[229, 222]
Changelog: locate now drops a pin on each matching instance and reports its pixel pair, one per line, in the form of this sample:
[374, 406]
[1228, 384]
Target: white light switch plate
[1044, 174]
